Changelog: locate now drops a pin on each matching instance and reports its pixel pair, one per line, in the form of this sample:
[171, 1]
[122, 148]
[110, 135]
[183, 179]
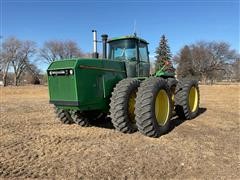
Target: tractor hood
[76, 63]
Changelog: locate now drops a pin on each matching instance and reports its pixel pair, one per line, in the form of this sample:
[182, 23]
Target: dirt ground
[34, 144]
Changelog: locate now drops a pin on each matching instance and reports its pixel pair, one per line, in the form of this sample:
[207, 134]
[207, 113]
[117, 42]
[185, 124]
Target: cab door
[143, 60]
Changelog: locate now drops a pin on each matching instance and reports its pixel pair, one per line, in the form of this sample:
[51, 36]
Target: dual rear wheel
[148, 106]
[187, 99]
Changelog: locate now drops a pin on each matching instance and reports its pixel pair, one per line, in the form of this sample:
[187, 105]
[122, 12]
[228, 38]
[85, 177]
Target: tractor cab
[133, 51]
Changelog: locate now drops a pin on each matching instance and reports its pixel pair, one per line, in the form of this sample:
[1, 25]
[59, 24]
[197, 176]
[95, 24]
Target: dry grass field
[34, 144]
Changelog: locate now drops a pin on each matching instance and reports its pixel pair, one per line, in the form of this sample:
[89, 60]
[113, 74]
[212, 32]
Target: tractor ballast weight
[120, 86]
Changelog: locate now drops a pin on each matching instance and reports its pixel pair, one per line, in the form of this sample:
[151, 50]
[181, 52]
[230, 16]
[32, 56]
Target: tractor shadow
[105, 122]
[176, 121]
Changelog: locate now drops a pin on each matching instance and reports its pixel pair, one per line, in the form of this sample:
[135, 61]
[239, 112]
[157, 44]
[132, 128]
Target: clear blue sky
[183, 22]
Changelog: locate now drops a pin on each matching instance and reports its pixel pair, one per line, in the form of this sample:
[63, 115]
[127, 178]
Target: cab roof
[128, 37]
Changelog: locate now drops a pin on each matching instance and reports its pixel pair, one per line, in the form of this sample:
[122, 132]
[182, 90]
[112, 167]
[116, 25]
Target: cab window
[143, 52]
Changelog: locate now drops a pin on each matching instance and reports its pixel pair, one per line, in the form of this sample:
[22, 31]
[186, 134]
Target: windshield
[123, 50]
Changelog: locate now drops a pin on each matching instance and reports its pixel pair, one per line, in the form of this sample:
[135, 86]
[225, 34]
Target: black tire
[146, 119]
[182, 105]
[172, 82]
[64, 116]
[121, 110]
[80, 118]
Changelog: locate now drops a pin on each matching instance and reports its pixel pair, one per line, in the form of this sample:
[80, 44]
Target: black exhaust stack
[104, 44]
[95, 53]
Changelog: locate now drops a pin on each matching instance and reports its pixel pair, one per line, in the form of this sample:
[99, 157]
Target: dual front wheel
[70, 117]
[153, 107]
[146, 107]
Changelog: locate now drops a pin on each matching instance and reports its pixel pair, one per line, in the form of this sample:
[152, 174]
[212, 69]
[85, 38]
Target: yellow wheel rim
[162, 107]
[131, 106]
[193, 99]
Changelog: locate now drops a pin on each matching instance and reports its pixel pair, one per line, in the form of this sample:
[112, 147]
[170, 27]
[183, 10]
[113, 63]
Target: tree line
[20, 57]
[205, 61]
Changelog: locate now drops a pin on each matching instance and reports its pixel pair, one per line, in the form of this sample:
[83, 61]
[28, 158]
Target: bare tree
[31, 74]
[10, 48]
[21, 62]
[209, 60]
[56, 50]
[211, 57]
[236, 69]
[71, 50]
[184, 61]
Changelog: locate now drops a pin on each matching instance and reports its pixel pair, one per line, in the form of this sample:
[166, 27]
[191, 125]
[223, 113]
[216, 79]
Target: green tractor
[120, 87]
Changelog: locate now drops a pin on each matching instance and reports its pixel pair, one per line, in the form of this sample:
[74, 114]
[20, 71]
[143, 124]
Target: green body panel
[164, 74]
[68, 63]
[62, 87]
[90, 86]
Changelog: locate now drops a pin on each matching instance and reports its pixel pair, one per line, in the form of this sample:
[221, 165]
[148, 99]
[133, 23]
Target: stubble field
[34, 144]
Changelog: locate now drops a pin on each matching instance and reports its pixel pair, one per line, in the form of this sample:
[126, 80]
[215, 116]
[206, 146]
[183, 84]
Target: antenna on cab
[134, 28]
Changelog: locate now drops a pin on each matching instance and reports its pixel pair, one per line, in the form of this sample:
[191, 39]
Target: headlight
[71, 71]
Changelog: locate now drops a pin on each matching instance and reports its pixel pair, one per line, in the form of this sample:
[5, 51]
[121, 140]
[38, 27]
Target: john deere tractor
[120, 86]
